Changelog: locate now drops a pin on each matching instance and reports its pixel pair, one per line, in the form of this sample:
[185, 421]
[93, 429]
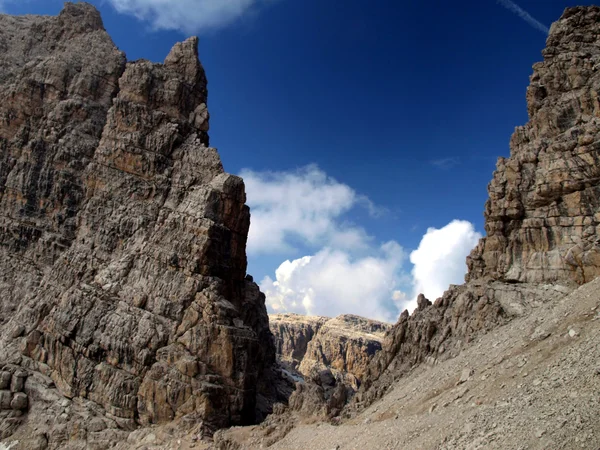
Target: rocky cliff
[542, 218]
[345, 345]
[122, 247]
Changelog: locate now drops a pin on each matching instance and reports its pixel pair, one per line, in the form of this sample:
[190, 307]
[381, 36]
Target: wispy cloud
[533, 22]
[189, 16]
[445, 163]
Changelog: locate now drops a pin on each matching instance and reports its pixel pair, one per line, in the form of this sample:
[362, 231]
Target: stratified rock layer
[122, 242]
[345, 344]
[542, 218]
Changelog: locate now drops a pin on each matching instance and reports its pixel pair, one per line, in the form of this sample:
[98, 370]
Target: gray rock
[17, 384]
[19, 401]
[5, 398]
[465, 375]
[122, 248]
[5, 378]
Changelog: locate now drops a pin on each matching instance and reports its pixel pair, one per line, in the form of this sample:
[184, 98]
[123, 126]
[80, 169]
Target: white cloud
[347, 273]
[304, 205]
[332, 282]
[189, 16]
[440, 259]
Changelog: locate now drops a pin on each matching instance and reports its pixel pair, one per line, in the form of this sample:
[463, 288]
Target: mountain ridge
[124, 292]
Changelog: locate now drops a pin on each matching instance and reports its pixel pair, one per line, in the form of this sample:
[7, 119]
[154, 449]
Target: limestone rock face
[542, 217]
[543, 213]
[122, 241]
[293, 333]
[345, 344]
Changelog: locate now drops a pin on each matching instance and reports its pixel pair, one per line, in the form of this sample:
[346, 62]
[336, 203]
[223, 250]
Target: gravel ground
[532, 384]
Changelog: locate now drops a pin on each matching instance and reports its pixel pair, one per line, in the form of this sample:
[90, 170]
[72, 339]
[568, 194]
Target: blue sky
[379, 120]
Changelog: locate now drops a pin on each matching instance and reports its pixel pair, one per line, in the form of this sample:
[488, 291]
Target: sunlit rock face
[543, 213]
[122, 240]
[345, 344]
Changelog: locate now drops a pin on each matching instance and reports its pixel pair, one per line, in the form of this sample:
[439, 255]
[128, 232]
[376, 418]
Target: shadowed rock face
[122, 241]
[542, 218]
[344, 344]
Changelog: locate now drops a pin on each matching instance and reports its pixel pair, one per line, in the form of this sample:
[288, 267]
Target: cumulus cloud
[346, 272]
[189, 16]
[304, 205]
[440, 259]
[333, 282]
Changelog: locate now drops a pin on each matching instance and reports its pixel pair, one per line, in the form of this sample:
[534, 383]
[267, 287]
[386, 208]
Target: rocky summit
[542, 217]
[124, 299]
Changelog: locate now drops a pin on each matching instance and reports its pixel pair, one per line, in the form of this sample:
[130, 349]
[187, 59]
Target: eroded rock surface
[122, 245]
[542, 217]
[345, 344]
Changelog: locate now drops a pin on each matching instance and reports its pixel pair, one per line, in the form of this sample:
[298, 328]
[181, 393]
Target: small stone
[17, 331]
[537, 382]
[539, 433]
[19, 401]
[465, 375]
[432, 408]
[573, 333]
[96, 424]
